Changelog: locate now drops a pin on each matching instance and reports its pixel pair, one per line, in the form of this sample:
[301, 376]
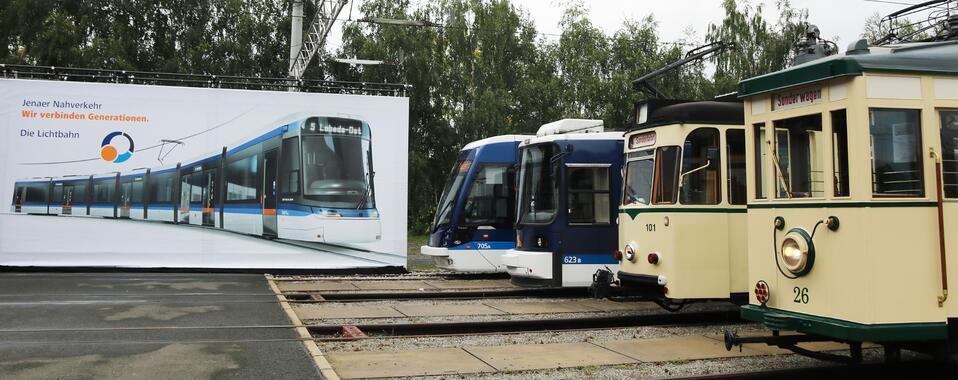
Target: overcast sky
[843, 19]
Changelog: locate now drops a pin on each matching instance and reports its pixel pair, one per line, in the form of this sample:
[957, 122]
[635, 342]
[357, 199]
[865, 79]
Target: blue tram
[474, 221]
[570, 177]
[310, 180]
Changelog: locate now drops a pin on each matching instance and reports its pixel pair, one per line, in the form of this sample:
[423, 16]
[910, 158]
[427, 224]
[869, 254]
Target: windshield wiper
[368, 190]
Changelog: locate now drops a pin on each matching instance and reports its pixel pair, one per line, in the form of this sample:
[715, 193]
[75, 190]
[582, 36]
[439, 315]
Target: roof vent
[566, 126]
[858, 47]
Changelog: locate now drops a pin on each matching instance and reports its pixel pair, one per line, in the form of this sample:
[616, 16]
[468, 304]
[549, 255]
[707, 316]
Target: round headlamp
[630, 252]
[797, 252]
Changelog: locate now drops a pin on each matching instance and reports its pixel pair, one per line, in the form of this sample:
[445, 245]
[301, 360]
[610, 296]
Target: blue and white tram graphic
[309, 180]
[570, 177]
[475, 217]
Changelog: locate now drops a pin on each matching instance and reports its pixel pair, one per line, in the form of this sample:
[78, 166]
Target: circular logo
[110, 148]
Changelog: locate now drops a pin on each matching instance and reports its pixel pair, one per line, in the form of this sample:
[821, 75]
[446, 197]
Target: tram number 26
[801, 295]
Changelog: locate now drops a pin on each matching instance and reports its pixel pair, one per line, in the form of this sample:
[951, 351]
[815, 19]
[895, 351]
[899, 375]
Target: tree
[760, 48]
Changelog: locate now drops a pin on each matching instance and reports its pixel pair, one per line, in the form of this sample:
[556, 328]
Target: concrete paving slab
[154, 361]
[349, 311]
[471, 284]
[393, 285]
[315, 286]
[444, 361]
[543, 307]
[145, 326]
[547, 356]
[444, 310]
[676, 348]
[609, 306]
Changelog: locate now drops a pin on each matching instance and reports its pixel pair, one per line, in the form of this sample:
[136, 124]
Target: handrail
[941, 229]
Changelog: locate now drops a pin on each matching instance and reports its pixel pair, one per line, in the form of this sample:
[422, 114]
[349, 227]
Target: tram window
[161, 188]
[949, 151]
[538, 196]
[487, 203]
[451, 191]
[79, 194]
[666, 175]
[735, 143]
[896, 153]
[185, 191]
[335, 171]
[840, 153]
[57, 194]
[37, 193]
[799, 157]
[137, 194]
[103, 191]
[242, 176]
[17, 193]
[289, 172]
[589, 200]
[638, 182]
[761, 155]
[701, 175]
[196, 191]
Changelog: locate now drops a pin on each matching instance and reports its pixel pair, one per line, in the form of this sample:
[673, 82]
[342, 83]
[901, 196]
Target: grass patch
[415, 261]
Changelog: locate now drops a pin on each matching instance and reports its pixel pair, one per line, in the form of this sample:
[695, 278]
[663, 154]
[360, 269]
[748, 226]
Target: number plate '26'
[801, 295]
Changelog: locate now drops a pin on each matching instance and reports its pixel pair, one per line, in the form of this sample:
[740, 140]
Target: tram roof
[665, 112]
[932, 57]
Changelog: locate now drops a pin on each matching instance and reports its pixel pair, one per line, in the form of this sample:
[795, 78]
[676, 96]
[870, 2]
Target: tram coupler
[790, 342]
[602, 285]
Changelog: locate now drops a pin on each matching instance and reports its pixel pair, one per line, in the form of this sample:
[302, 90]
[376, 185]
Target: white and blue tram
[475, 217]
[310, 180]
[569, 178]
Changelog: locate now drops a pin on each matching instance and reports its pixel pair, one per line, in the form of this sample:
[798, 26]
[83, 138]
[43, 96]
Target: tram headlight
[330, 214]
[630, 252]
[797, 252]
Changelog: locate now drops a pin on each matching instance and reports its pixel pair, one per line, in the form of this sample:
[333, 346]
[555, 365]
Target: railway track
[367, 331]
[921, 369]
[319, 297]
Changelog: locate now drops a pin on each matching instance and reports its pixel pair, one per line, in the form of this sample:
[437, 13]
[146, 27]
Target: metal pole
[296, 33]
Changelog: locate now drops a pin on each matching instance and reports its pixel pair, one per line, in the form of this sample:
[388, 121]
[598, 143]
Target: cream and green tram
[853, 198]
[682, 216]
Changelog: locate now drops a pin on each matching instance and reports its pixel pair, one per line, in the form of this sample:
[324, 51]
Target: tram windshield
[538, 192]
[638, 178]
[336, 163]
[451, 192]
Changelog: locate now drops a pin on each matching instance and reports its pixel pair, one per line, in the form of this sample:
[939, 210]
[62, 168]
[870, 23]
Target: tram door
[185, 192]
[18, 200]
[126, 191]
[56, 199]
[270, 165]
[209, 197]
[67, 200]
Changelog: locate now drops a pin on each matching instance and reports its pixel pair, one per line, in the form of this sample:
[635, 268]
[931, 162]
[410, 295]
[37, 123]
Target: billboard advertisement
[121, 175]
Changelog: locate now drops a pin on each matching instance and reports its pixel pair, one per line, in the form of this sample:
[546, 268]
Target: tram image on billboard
[308, 180]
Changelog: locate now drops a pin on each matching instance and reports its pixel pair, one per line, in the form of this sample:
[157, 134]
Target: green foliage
[760, 48]
[484, 71]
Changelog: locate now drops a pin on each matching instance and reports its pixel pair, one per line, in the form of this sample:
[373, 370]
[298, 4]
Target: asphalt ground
[146, 326]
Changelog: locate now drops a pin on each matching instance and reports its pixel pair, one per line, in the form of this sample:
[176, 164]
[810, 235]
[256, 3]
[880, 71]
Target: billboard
[121, 175]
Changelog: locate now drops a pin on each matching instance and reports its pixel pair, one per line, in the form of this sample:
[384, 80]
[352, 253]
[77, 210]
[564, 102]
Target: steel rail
[348, 296]
[917, 369]
[327, 332]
